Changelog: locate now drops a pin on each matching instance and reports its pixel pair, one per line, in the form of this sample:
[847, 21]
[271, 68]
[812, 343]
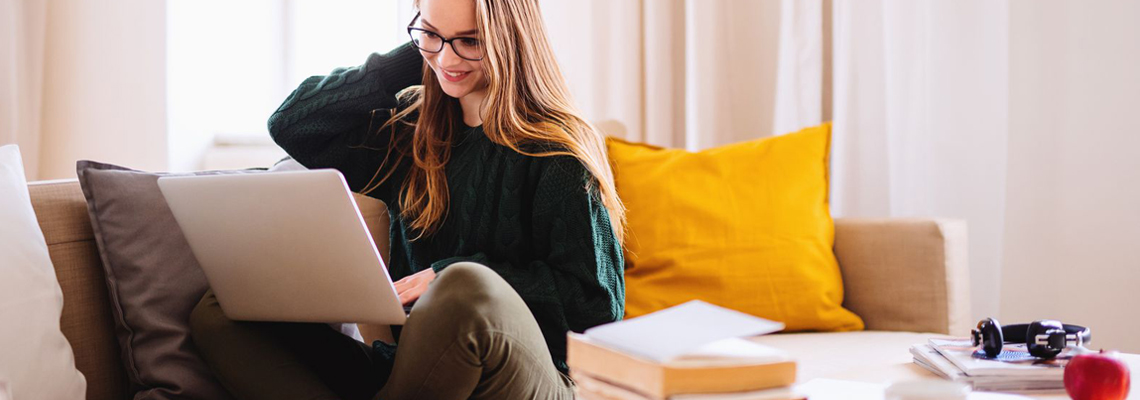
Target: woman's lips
[454, 76]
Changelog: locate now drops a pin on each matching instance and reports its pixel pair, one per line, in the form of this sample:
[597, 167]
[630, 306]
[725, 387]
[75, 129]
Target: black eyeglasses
[467, 48]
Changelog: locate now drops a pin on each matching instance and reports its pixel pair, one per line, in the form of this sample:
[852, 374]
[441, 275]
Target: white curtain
[800, 84]
[678, 73]
[22, 26]
[921, 101]
[918, 90]
[936, 114]
[1013, 116]
[1074, 175]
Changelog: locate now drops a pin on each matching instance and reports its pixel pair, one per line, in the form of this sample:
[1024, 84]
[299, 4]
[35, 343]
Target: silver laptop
[284, 246]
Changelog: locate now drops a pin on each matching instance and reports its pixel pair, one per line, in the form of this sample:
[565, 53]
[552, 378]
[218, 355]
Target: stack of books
[689, 352]
[1014, 370]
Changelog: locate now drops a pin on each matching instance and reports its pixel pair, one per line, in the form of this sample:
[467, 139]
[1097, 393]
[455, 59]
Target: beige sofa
[901, 276]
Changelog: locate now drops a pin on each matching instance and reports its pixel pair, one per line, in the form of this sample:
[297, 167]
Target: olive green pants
[469, 336]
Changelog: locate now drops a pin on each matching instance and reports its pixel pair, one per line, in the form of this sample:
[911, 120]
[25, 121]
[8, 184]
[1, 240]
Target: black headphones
[1044, 338]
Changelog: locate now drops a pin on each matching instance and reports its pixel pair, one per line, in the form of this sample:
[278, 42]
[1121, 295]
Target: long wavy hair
[528, 107]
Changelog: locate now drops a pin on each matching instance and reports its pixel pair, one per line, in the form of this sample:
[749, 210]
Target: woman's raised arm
[325, 122]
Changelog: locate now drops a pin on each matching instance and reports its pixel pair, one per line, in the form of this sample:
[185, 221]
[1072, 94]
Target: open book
[695, 347]
[666, 334]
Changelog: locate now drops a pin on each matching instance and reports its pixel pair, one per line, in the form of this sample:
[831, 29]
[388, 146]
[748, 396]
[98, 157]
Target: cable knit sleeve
[577, 282]
[332, 121]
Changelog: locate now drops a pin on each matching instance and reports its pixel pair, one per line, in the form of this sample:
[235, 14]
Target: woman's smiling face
[454, 20]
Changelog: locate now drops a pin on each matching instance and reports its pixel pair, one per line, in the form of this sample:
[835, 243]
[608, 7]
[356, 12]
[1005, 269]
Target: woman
[506, 227]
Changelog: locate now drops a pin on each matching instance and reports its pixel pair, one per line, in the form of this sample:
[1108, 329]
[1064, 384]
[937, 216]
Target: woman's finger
[401, 285]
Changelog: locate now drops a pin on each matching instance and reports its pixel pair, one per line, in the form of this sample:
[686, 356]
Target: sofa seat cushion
[866, 356]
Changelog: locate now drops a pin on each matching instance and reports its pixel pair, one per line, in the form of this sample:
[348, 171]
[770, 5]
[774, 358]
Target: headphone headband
[1019, 333]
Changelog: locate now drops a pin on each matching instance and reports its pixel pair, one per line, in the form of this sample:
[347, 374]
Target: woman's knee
[468, 289]
[467, 273]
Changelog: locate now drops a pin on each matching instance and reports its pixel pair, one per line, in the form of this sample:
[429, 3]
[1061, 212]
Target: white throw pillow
[35, 358]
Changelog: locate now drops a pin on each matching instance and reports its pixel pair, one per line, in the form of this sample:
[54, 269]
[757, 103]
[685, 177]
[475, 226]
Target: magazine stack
[1014, 370]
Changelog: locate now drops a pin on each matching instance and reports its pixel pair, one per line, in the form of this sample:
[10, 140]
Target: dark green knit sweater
[537, 221]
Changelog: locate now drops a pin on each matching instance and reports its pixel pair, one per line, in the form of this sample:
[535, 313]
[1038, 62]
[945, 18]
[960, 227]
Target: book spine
[728, 379]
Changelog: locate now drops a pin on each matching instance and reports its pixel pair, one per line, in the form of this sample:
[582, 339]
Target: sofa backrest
[87, 320]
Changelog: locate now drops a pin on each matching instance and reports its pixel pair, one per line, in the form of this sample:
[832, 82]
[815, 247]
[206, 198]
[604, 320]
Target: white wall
[1072, 217]
[104, 93]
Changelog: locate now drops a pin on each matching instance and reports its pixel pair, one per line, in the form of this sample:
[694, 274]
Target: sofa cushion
[36, 360]
[153, 279]
[744, 226]
[868, 356]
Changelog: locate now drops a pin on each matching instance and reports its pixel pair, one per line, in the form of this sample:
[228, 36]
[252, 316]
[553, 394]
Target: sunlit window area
[230, 64]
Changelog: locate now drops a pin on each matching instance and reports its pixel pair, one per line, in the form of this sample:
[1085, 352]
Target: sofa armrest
[905, 274]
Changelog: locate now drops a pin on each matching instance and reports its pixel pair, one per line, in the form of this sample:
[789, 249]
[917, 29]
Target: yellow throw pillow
[744, 226]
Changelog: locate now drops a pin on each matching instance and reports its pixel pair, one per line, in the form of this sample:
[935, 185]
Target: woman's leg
[269, 360]
[471, 336]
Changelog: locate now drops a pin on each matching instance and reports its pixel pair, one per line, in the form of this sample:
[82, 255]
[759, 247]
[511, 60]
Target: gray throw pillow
[153, 279]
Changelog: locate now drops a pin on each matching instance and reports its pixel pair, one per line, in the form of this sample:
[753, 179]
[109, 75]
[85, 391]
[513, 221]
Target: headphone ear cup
[1051, 328]
[991, 337]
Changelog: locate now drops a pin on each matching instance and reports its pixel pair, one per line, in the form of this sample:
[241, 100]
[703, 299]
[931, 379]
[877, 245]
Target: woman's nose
[447, 56]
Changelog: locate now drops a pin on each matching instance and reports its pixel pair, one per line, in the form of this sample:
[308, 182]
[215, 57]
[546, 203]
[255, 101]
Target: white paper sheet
[666, 334]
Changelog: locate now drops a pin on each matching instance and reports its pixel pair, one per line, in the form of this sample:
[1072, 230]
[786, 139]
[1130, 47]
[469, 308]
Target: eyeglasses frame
[445, 41]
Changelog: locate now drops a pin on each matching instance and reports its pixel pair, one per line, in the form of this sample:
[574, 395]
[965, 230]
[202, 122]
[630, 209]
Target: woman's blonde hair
[527, 104]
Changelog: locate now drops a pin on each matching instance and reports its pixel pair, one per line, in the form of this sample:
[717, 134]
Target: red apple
[1097, 376]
